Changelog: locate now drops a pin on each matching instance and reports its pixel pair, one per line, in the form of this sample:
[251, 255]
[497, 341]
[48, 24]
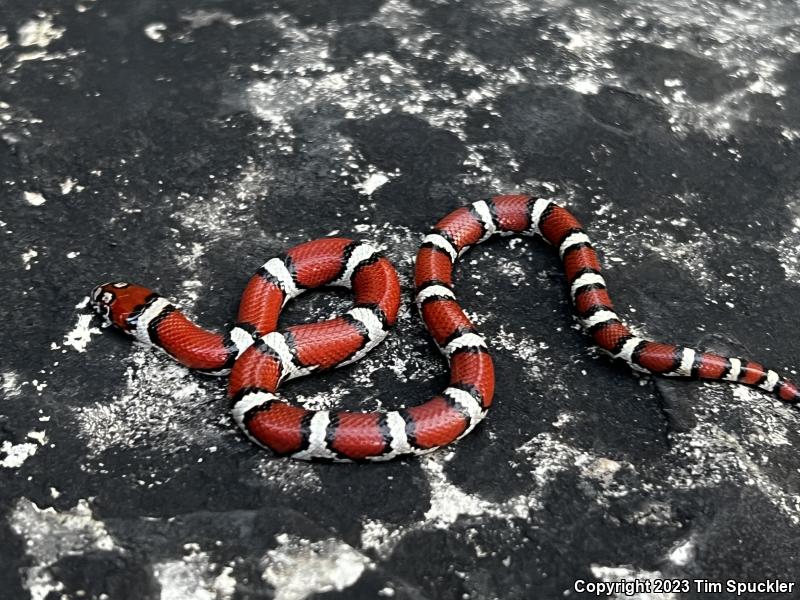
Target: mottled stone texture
[179, 144]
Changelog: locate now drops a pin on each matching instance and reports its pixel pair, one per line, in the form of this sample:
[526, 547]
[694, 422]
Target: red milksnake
[259, 358]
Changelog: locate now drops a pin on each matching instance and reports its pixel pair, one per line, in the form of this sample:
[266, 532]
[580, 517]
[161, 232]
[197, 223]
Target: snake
[259, 358]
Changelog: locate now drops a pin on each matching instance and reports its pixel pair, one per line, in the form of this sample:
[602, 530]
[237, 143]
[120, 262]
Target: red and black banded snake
[259, 358]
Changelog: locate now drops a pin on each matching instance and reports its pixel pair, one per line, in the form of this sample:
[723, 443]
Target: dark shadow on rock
[97, 574]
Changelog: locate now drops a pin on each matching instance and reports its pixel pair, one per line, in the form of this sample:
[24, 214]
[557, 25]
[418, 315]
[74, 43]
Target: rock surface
[180, 144]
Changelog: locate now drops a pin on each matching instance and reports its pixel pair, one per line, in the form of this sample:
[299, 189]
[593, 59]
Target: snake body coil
[259, 358]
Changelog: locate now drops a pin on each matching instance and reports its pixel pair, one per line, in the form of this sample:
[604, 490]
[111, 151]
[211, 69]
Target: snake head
[118, 301]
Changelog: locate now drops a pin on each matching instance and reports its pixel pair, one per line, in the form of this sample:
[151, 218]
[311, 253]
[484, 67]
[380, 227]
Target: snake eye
[101, 302]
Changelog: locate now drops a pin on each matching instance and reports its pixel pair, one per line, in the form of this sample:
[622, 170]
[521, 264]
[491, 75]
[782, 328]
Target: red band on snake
[260, 359]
